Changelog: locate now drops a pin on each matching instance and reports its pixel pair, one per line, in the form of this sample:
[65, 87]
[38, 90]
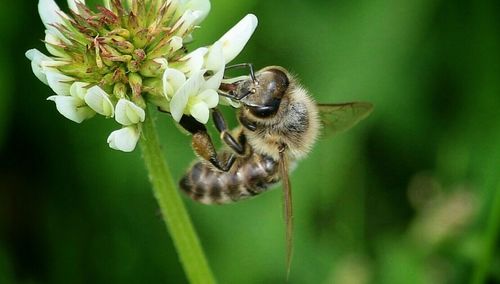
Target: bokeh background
[411, 195]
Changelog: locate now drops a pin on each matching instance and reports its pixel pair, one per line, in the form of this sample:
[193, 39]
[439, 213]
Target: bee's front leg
[202, 143]
[237, 145]
[244, 65]
[250, 125]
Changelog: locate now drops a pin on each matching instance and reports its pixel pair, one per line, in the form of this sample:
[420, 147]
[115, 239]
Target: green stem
[173, 211]
[490, 237]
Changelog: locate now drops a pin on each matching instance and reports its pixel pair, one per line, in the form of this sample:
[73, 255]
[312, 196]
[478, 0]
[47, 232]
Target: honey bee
[279, 124]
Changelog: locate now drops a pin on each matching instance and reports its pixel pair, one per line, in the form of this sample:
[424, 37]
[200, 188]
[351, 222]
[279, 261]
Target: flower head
[116, 59]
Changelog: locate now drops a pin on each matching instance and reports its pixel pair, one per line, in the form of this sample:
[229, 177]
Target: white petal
[37, 59]
[180, 99]
[209, 97]
[172, 81]
[200, 112]
[50, 13]
[124, 139]
[33, 53]
[175, 43]
[193, 62]
[185, 23]
[78, 90]
[235, 39]
[72, 108]
[72, 5]
[200, 8]
[187, 39]
[178, 104]
[99, 101]
[51, 39]
[162, 61]
[58, 82]
[128, 113]
[214, 81]
[215, 57]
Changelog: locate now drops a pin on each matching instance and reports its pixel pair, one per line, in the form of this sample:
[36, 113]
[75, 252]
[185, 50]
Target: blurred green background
[411, 195]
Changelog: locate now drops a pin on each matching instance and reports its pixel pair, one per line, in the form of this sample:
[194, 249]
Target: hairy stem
[173, 211]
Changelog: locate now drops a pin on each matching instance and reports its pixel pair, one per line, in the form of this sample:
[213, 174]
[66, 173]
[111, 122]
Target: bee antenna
[234, 97]
[252, 91]
[252, 74]
[245, 65]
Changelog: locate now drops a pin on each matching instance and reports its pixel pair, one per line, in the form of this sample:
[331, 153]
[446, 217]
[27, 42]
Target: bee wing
[336, 118]
[287, 207]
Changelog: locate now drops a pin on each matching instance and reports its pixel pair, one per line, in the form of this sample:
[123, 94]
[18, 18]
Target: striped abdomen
[247, 177]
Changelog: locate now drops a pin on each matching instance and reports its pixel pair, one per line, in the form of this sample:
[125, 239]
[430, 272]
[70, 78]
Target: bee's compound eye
[282, 82]
[266, 110]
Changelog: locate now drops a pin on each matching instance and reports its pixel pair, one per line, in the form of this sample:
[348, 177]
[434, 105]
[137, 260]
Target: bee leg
[237, 146]
[250, 125]
[202, 143]
[162, 110]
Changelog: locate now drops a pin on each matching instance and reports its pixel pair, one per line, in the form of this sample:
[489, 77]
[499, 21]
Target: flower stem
[490, 239]
[173, 211]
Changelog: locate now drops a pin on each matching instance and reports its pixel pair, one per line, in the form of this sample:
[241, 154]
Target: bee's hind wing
[337, 118]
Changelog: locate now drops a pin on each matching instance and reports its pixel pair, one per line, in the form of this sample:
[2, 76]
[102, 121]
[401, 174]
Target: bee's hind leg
[202, 143]
[237, 145]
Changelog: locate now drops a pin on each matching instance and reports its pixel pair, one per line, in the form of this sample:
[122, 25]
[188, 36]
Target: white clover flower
[192, 99]
[38, 60]
[118, 59]
[189, 100]
[58, 82]
[54, 44]
[73, 108]
[128, 113]
[79, 90]
[192, 62]
[98, 100]
[199, 7]
[172, 80]
[124, 139]
[186, 23]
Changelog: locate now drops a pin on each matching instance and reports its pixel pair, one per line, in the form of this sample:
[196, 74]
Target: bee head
[265, 92]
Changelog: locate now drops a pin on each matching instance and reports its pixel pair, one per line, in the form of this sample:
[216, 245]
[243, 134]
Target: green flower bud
[139, 101]
[135, 82]
[152, 68]
[140, 39]
[120, 32]
[120, 90]
[154, 87]
[124, 47]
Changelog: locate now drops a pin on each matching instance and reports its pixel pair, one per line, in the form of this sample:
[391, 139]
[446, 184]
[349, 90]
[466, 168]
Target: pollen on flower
[115, 59]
